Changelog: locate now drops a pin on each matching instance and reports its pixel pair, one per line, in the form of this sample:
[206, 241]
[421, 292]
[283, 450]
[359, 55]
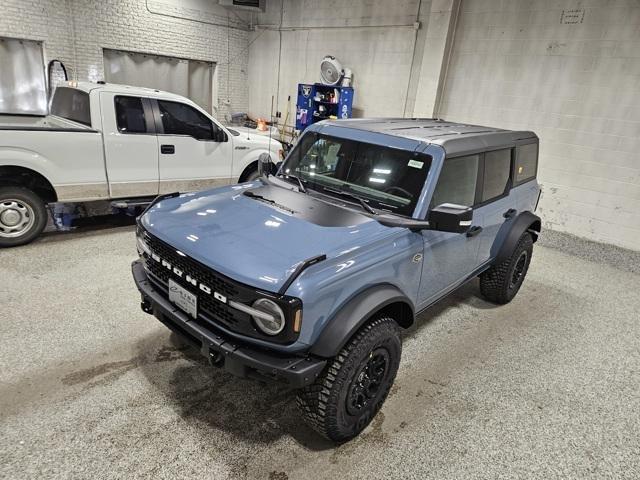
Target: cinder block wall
[76, 31]
[375, 38]
[570, 71]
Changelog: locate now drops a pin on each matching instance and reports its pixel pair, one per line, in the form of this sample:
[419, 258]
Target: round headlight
[273, 322]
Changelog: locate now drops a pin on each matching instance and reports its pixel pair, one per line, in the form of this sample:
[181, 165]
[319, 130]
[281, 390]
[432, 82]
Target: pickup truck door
[449, 258]
[195, 152]
[130, 145]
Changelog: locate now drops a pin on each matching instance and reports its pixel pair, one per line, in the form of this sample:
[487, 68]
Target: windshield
[386, 178]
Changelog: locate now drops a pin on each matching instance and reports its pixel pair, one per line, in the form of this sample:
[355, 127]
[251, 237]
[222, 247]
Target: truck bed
[31, 122]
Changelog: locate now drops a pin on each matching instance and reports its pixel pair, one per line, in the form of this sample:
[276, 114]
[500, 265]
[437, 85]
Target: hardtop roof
[453, 137]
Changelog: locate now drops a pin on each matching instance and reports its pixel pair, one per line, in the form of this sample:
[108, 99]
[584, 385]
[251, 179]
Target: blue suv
[308, 275]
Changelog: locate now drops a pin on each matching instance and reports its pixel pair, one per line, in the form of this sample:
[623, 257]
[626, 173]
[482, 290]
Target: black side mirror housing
[264, 164]
[450, 217]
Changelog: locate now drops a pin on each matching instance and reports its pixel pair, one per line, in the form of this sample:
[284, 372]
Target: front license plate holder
[183, 299]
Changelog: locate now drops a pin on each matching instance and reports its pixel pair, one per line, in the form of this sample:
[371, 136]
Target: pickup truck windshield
[386, 178]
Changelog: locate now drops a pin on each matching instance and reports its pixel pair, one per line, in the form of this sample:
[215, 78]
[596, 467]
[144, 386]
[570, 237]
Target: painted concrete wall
[375, 38]
[570, 71]
[76, 31]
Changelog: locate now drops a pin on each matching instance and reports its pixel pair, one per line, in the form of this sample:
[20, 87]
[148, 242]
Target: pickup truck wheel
[252, 175]
[22, 216]
[501, 282]
[345, 398]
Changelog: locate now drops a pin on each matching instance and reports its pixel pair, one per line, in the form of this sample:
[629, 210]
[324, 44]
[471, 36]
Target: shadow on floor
[257, 412]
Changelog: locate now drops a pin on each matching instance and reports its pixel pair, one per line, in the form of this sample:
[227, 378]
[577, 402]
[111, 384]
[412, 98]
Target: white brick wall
[129, 25]
[515, 65]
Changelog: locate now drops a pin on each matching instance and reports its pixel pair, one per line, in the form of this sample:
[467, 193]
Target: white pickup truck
[104, 141]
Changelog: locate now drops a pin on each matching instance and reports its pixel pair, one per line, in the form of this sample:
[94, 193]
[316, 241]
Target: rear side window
[526, 162]
[72, 104]
[497, 167]
[457, 181]
[130, 115]
[181, 119]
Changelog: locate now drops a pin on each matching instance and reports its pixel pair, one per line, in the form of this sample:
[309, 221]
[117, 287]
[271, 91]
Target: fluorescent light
[382, 171]
[377, 180]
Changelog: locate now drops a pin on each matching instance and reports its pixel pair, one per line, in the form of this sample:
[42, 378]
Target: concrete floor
[546, 387]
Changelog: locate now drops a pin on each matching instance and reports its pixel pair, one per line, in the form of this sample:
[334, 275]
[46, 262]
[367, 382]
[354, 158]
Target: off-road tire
[22, 198]
[501, 282]
[324, 403]
[252, 175]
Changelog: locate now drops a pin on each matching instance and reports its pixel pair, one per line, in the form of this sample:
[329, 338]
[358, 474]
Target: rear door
[495, 202]
[130, 145]
[195, 152]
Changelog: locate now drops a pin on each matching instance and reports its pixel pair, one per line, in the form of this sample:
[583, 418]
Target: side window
[130, 115]
[526, 162]
[497, 167]
[457, 181]
[181, 119]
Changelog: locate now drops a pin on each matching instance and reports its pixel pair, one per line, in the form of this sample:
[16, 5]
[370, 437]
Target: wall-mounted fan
[331, 72]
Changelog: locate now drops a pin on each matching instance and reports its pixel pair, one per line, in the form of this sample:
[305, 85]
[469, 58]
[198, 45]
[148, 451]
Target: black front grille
[210, 309]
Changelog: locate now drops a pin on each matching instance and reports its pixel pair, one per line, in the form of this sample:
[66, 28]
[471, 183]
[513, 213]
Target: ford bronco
[307, 277]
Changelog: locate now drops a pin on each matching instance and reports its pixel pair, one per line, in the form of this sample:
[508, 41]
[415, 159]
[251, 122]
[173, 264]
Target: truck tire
[252, 175]
[23, 216]
[501, 282]
[347, 395]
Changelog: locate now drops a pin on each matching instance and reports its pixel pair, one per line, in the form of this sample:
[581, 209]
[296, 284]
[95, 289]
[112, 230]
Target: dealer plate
[183, 298]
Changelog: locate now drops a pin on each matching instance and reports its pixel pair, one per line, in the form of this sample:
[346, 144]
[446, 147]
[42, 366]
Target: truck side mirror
[450, 217]
[264, 164]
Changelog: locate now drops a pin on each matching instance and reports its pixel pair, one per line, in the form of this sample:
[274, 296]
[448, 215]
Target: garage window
[22, 79]
[457, 181]
[526, 162]
[497, 167]
[130, 115]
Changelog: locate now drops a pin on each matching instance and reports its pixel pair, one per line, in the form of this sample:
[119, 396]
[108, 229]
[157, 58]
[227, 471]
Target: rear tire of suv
[351, 390]
[501, 282]
[23, 216]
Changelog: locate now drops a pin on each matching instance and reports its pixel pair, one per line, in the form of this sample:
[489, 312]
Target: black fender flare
[355, 313]
[511, 232]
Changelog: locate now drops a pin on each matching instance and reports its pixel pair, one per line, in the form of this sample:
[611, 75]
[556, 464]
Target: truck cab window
[457, 181]
[130, 115]
[181, 119]
[497, 167]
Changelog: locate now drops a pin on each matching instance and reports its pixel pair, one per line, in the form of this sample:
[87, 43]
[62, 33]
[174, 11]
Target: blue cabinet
[319, 102]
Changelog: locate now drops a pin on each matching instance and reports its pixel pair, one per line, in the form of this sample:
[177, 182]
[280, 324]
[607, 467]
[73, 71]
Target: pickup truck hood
[253, 240]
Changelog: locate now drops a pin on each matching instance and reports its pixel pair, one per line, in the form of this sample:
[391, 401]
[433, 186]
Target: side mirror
[264, 164]
[450, 217]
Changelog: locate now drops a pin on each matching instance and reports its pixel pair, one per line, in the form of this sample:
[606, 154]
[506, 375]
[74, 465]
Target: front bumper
[240, 360]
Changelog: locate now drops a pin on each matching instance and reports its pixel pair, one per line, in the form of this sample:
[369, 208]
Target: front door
[449, 258]
[130, 145]
[195, 153]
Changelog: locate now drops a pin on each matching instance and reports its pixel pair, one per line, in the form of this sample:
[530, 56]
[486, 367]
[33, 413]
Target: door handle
[510, 213]
[473, 231]
[168, 149]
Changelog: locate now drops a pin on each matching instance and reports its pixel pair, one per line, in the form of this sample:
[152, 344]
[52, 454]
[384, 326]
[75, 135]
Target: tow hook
[216, 359]
[146, 306]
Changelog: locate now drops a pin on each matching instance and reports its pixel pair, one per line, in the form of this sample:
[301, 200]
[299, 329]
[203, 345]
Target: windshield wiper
[358, 199]
[300, 184]
[249, 193]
